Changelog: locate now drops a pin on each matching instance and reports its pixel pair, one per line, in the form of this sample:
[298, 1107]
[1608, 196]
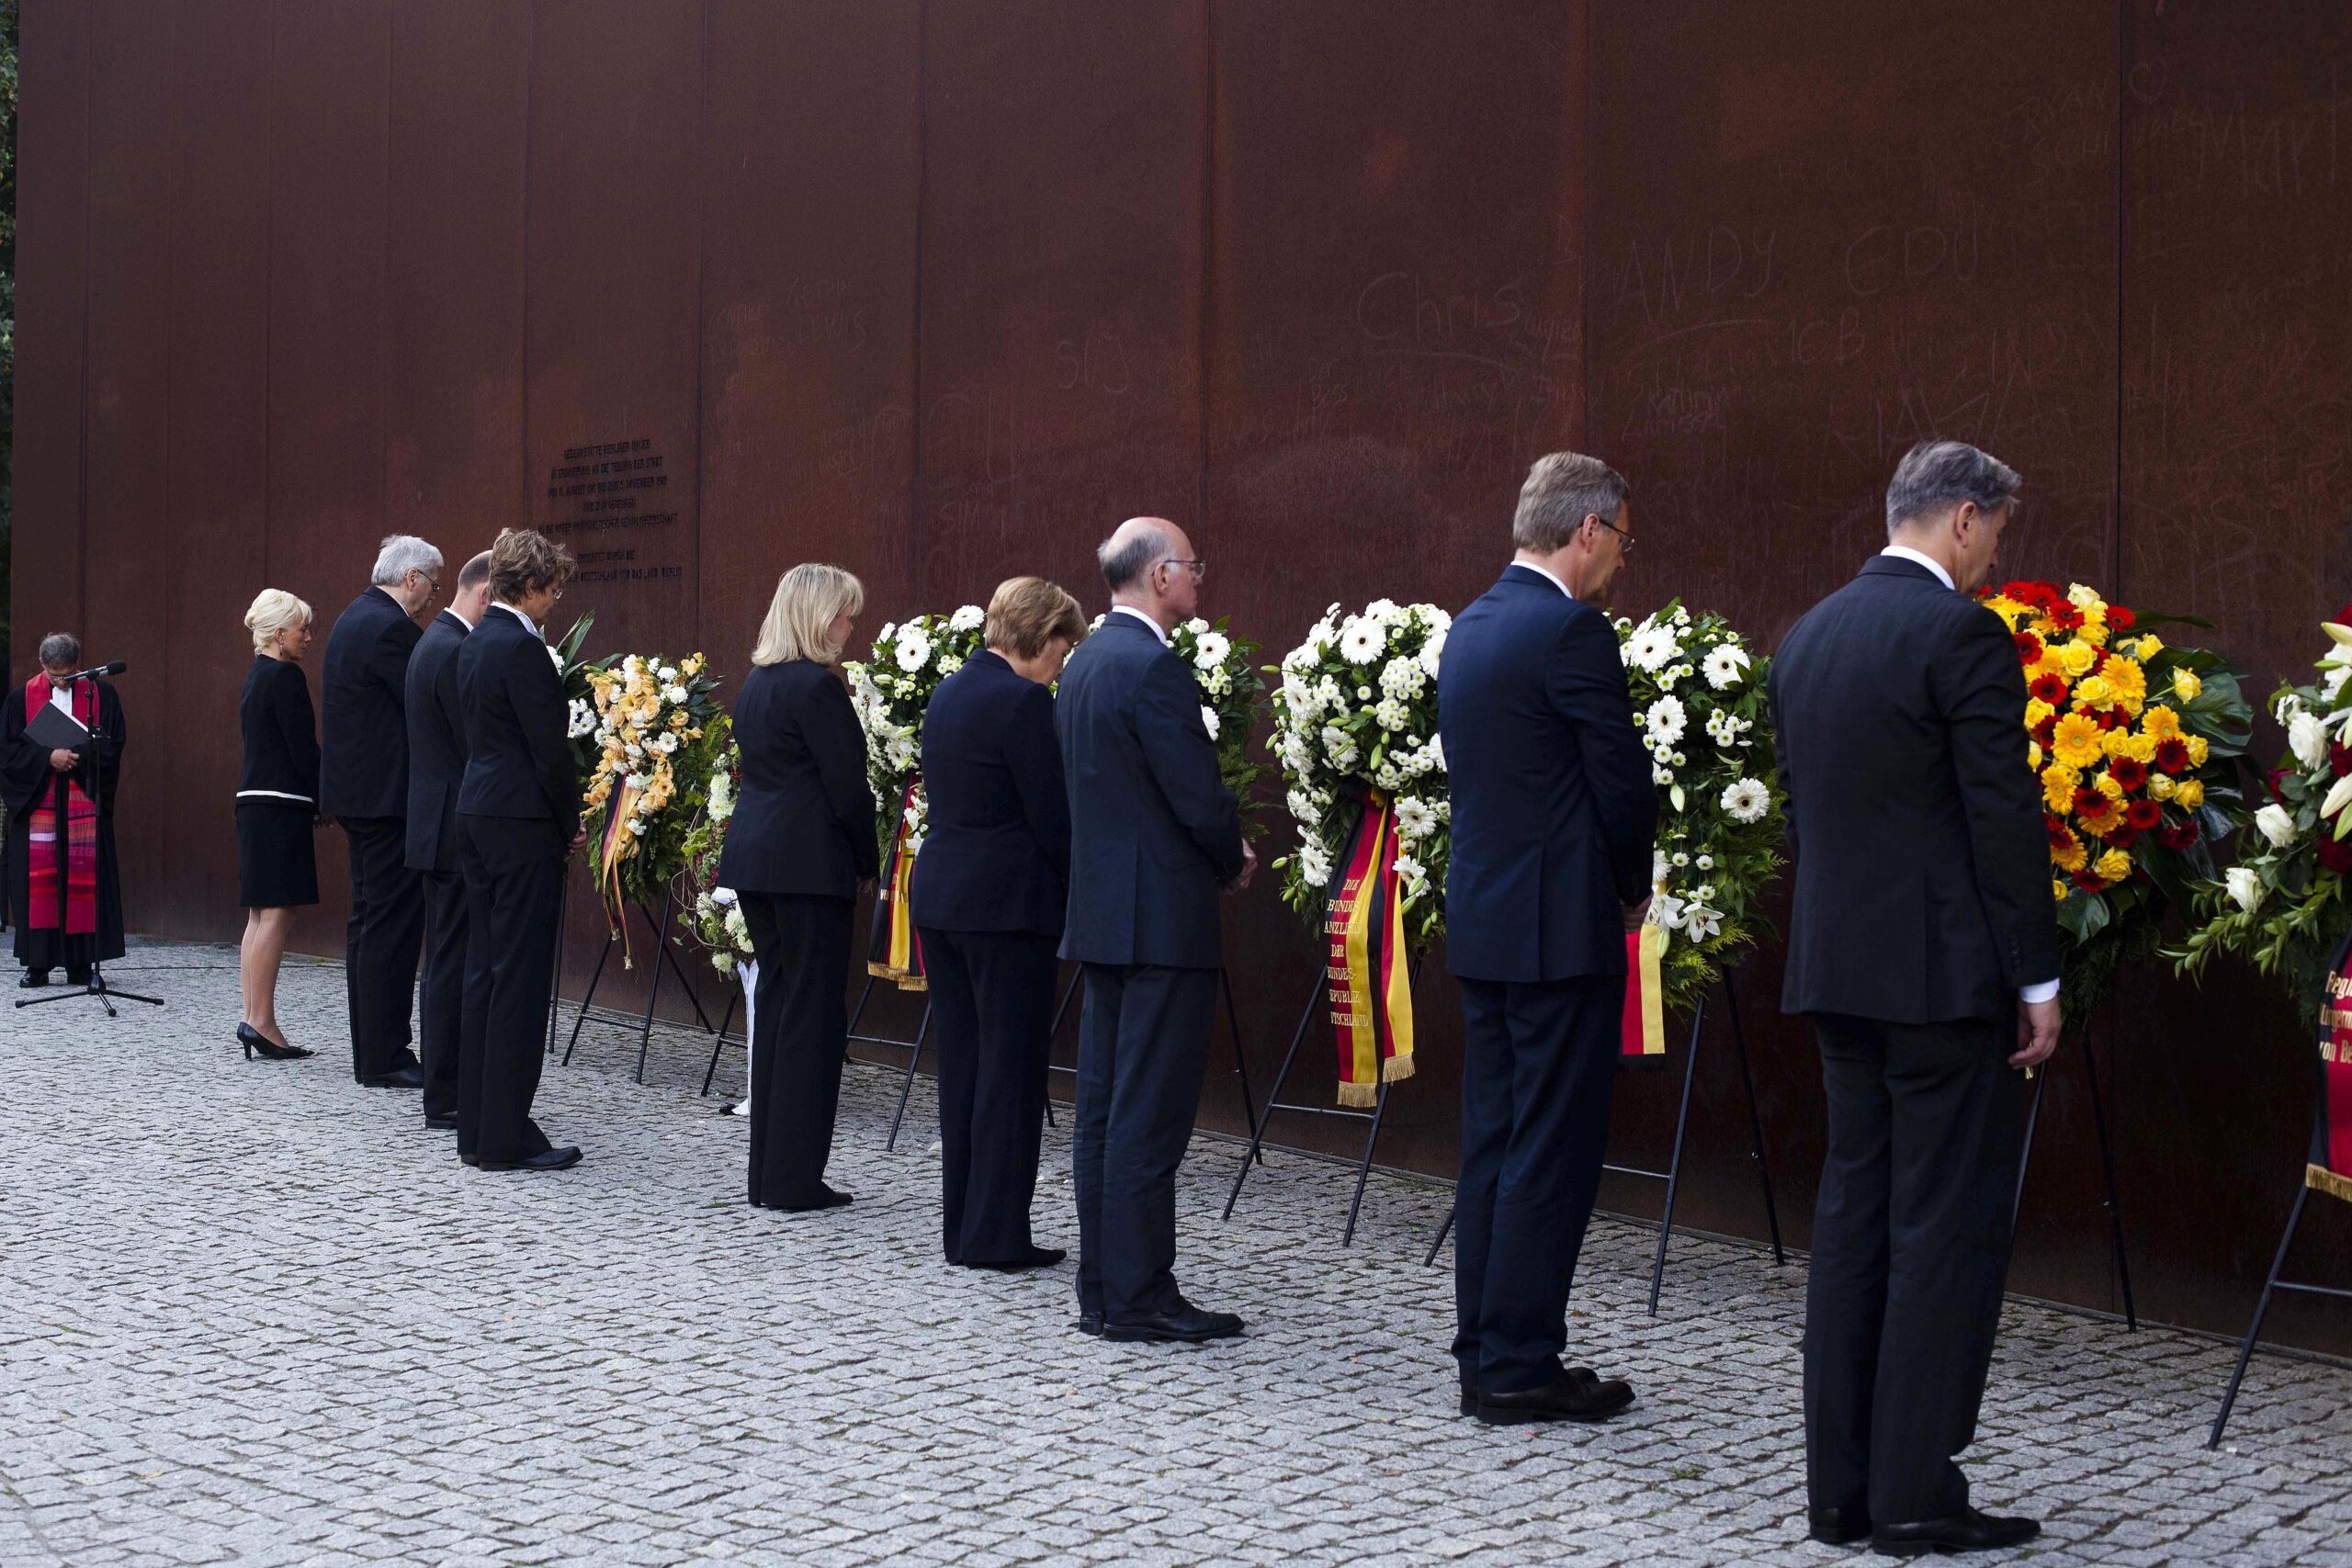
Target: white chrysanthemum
[556, 654]
[1747, 800]
[949, 665]
[1314, 862]
[1302, 806]
[1432, 649]
[1412, 872]
[1665, 720]
[1725, 666]
[1217, 681]
[1403, 679]
[1390, 714]
[1388, 777]
[1362, 640]
[969, 618]
[1651, 647]
[1415, 820]
[1381, 610]
[914, 651]
[1209, 721]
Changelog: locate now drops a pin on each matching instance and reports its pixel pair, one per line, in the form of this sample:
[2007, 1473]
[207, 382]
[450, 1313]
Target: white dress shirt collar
[502, 604]
[1157, 629]
[1905, 552]
[451, 611]
[1546, 576]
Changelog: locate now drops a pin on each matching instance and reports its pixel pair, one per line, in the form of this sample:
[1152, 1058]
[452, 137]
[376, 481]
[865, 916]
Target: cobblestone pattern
[256, 1314]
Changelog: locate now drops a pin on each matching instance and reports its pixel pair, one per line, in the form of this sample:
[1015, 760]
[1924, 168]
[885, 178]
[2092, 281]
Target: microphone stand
[96, 985]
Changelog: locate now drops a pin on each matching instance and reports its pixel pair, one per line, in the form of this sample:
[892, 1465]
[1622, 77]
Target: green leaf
[2083, 916]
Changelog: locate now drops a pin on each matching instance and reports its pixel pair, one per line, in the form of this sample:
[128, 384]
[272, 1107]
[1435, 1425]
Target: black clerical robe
[27, 782]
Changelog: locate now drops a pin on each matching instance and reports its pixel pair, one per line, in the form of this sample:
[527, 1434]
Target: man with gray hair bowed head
[1924, 946]
[1154, 835]
[363, 785]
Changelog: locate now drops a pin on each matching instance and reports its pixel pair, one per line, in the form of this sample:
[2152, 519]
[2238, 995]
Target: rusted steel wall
[708, 287]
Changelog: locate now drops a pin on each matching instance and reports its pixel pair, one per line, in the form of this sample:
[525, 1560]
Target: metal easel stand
[1232, 1025]
[1672, 1173]
[914, 1048]
[2271, 1283]
[1274, 1102]
[721, 1043]
[653, 992]
[2106, 1159]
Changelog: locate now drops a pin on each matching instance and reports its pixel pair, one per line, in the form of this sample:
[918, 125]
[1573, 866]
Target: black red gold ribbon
[894, 952]
[1642, 1042]
[2330, 1170]
[1368, 974]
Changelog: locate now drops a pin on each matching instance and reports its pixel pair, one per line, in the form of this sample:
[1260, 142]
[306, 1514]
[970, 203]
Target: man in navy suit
[436, 764]
[1553, 816]
[1154, 835]
[363, 785]
[1924, 943]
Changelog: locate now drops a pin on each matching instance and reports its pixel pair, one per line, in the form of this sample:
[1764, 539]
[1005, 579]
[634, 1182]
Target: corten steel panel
[124, 614]
[453, 375]
[807, 346]
[52, 283]
[330, 66]
[1395, 334]
[214, 531]
[612, 340]
[1798, 267]
[2237, 420]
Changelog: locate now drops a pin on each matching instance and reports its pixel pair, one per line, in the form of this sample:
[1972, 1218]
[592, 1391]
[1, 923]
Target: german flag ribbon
[1641, 1042]
[1368, 976]
[612, 848]
[893, 951]
[2330, 1170]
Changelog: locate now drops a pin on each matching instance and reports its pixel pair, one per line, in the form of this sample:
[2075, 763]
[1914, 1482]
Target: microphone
[117, 668]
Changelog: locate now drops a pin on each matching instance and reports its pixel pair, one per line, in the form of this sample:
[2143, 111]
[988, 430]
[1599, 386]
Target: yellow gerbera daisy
[2160, 723]
[2070, 856]
[2009, 609]
[2058, 786]
[2076, 743]
[2130, 681]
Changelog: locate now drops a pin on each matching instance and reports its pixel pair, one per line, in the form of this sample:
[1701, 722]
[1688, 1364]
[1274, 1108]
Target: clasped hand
[63, 761]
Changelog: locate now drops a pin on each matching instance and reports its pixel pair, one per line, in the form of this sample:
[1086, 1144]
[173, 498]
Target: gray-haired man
[363, 785]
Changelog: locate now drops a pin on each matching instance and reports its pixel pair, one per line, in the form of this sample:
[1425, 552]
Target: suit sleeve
[388, 660]
[444, 696]
[1034, 754]
[829, 723]
[1587, 681]
[535, 694]
[1980, 690]
[1182, 758]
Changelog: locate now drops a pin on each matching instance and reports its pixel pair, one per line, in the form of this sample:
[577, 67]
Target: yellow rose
[2075, 659]
[2150, 646]
[2057, 890]
[2189, 794]
[2107, 786]
[2114, 866]
[2197, 751]
[2076, 741]
[2093, 630]
[2185, 685]
[2058, 786]
[2033, 756]
[2036, 710]
[2094, 692]
[2122, 742]
[2160, 723]
[2160, 787]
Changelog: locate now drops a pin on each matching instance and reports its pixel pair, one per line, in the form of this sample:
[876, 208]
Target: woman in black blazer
[277, 805]
[800, 842]
[988, 890]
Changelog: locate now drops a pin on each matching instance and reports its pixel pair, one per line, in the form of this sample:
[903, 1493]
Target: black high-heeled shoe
[257, 1044]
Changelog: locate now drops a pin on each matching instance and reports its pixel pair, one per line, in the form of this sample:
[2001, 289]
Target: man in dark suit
[436, 764]
[518, 816]
[1554, 817]
[1925, 946]
[1154, 834]
[363, 785]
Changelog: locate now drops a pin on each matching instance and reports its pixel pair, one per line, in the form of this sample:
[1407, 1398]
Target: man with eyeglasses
[1155, 835]
[363, 785]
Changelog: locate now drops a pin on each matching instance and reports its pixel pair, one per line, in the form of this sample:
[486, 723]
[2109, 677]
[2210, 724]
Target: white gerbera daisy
[1209, 721]
[1432, 649]
[1651, 647]
[914, 651]
[1665, 720]
[969, 618]
[1211, 651]
[1313, 863]
[1362, 640]
[1414, 818]
[1747, 800]
[1724, 665]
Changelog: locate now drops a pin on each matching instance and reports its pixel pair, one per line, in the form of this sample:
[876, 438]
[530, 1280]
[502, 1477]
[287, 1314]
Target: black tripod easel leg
[1364, 1166]
[1258, 1138]
[594, 976]
[2261, 1307]
[2033, 1120]
[555, 970]
[720, 1044]
[2107, 1171]
[1430, 1258]
[653, 992]
[1674, 1163]
[1241, 1061]
[1054, 1033]
[670, 955]
[1755, 1122]
[907, 1083]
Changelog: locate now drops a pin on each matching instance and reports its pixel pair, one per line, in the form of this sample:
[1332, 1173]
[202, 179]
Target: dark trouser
[1141, 1047]
[1910, 1250]
[441, 1000]
[994, 995]
[513, 871]
[799, 1028]
[1538, 1066]
[381, 943]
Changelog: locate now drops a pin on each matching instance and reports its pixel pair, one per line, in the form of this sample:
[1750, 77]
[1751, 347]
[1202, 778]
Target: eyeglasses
[430, 581]
[1198, 568]
[1625, 540]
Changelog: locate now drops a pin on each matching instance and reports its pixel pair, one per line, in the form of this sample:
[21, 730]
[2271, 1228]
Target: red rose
[2144, 815]
[2344, 616]
[2172, 756]
[2336, 853]
[2339, 759]
[2128, 771]
[2029, 647]
[2051, 689]
[2121, 619]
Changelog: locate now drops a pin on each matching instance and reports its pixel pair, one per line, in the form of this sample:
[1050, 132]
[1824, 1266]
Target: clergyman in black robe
[62, 921]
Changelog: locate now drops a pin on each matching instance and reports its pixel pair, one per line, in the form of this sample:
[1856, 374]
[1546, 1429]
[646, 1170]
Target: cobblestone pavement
[254, 1313]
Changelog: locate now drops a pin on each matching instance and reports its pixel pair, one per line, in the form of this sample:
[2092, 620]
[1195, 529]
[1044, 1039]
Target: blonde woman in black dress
[277, 806]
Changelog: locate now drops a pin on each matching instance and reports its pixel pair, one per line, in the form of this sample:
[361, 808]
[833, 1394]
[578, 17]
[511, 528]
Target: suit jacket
[280, 734]
[997, 858]
[1554, 813]
[1154, 832]
[436, 745]
[804, 822]
[363, 685]
[1922, 864]
[516, 723]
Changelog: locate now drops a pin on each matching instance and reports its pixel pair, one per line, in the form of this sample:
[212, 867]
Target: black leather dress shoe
[1090, 1324]
[826, 1198]
[1838, 1526]
[400, 1078]
[1574, 1374]
[1562, 1399]
[33, 980]
[563, 1158]
[443, 1122]
[1038, 1257]
[1967, 1531]
[1182, 1324]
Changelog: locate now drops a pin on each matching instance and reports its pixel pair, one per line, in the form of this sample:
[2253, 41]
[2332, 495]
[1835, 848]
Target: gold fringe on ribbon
[2319, 1179]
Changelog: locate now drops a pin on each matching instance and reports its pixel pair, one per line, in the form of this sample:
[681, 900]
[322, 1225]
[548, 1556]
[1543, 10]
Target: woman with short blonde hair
[807, 617]
[277, 807]
[1027, 613]
[801, 840]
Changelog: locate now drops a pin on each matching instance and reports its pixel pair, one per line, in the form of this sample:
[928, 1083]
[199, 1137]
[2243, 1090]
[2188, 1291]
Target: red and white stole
[78, 857]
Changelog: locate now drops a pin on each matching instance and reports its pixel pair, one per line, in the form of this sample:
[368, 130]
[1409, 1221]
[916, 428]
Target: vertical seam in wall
[82, 403]
[915, 485]
[166, 841]
[384, 306]
[523, 278]
[702, 201]
[1590, 418]
[1206, 320]
[2122, 90]
[268, 271]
